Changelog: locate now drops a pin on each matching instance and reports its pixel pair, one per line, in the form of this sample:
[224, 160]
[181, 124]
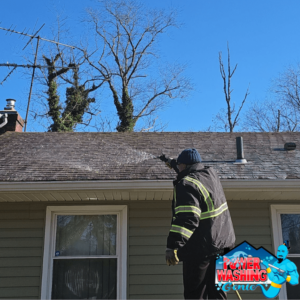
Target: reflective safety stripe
[203, 190]
[211, 210]
[210, 213]
[214, 213]
[186, 208]
[181, 230]
[199, 185]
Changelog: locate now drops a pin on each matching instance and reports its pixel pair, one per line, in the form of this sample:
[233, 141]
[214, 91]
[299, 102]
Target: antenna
[37, 37]
[33, 36]
[34, 66]
[8, 75]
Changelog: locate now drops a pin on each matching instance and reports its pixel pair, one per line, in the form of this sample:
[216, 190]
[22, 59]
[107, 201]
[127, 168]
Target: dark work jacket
[193, 231]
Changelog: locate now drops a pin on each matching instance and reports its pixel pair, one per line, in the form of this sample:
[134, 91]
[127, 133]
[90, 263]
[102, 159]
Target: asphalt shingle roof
[131, 156]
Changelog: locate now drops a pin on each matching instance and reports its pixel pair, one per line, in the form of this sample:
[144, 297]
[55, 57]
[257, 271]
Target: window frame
[276, 211]
[50, 237]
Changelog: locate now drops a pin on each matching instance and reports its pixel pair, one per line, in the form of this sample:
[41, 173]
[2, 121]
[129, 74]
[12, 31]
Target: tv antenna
[34, 66]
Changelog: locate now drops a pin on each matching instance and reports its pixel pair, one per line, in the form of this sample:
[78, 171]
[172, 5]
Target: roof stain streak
[133, 156]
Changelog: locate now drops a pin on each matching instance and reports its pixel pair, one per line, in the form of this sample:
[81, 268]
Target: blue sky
[263, 37]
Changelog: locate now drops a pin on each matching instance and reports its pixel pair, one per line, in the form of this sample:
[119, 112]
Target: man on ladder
[201, 225]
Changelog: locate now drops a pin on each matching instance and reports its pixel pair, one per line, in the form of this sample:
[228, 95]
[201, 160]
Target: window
[85, 252]
[286, 226]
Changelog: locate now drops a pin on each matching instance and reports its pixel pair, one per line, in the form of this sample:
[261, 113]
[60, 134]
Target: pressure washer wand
[236, 291]
[238, 294]
[279, 270]
[169, 161]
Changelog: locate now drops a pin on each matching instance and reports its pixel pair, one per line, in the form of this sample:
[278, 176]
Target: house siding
[21, 250]
[22, 227]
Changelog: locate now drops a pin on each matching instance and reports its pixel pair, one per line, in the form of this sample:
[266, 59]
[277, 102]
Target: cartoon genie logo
[245, 268]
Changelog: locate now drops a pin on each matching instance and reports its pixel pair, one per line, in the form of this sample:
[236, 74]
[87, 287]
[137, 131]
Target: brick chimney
[10, 120]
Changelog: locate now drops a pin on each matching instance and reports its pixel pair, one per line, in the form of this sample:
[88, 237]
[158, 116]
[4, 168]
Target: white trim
[261, 185]
[86, 185]
[276, 210]
[228, 184]
[49, 242]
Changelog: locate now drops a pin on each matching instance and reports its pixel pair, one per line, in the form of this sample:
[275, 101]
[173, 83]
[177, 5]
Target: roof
[132, 156]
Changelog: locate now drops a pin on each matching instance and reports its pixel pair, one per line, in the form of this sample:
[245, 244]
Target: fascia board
[87, 185]
[261, 185]
[162, 185]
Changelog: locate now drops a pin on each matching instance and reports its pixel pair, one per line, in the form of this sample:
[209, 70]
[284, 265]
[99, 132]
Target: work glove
[171, 257]
[169, 161]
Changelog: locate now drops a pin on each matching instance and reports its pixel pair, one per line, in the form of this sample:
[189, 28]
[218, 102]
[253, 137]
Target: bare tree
[282, 113]
[287, 87]
[271, 116]
[122, 61]
[226, 117]
[62, 99]
[127, 33]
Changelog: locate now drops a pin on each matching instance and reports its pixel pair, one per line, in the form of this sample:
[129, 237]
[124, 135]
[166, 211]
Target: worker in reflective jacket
[201, 225]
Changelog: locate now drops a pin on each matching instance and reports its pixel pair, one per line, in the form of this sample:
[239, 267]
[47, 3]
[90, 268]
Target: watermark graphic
[245, 268]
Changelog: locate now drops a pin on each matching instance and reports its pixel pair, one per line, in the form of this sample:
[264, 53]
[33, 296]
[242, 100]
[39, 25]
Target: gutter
[162, 185]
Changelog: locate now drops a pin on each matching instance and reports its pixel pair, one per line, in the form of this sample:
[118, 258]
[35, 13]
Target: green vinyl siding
[22, 241]
[149, 277]
[21, 250]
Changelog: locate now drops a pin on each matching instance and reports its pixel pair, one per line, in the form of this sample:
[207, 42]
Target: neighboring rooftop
[131, 156]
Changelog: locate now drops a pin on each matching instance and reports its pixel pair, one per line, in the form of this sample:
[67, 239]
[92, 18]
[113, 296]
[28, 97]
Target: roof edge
[228, 184]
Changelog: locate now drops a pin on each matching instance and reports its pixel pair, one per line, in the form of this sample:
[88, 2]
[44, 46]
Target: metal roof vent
[289, 146]
[240, 151]
[10, 104]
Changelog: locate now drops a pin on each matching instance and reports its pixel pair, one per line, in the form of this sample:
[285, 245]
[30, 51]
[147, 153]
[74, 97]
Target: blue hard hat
[189, 156]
